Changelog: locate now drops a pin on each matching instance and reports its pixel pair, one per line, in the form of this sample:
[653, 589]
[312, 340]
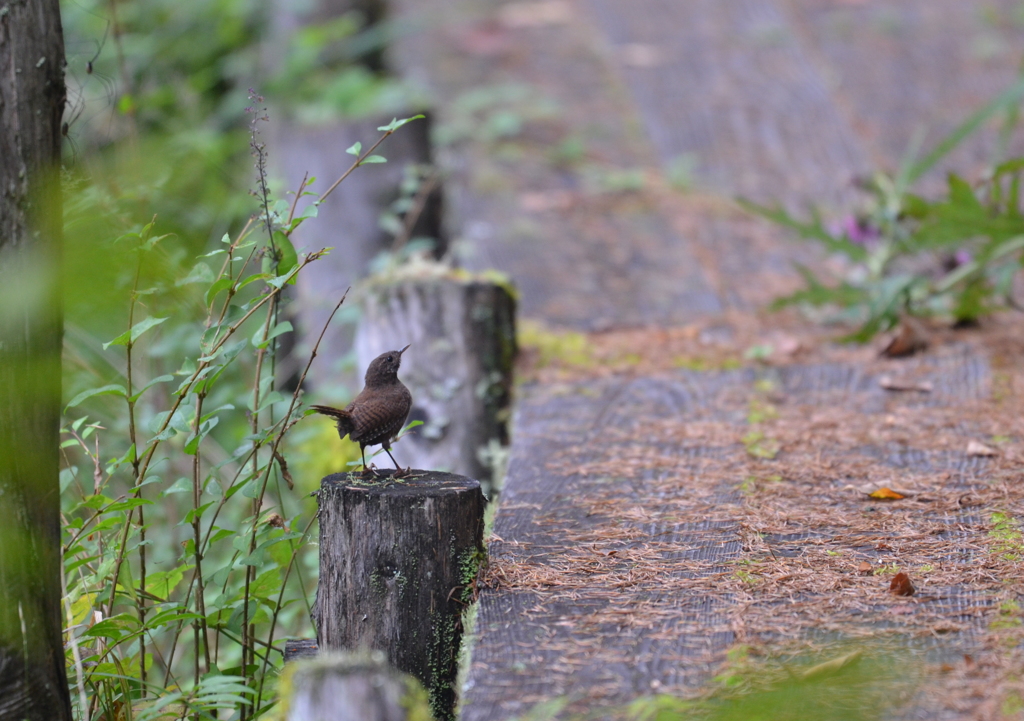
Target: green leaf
[127, 504]
[126, 581]
[196, 513]
[192, 444]
[128, 457]
[266, 584]
[172, 614]
[115, 627]
[155, 381]
[970, 302]
[395, 124]
[221, 534]
[373, 159]
[254, 278]
[814, 230]
[182, 485]
[130, 336]
[961, 193]
[66, 476]
[287, 257]
[1008, 98]
[217, 287]
[113, 389]
[200, 273]
[817, 294]
[218, 409]
[235, 621]
[162, 583]
[355, 149]
[259, 342]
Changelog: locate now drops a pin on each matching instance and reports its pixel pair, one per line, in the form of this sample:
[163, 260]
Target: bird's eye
[391, 359]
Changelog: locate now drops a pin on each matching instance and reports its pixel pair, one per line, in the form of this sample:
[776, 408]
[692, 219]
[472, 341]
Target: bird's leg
[400, 472]
[366, 469]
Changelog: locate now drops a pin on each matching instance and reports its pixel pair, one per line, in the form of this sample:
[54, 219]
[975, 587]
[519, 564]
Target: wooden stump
[459, 368]
[398, 564]
[351, 687]
[296, 649]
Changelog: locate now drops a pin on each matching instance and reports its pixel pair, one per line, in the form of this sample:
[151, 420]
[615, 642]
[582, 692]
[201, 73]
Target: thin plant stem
[356, 164]
[197, 491]
[83, 702]
[280, 598]
[126, 77]
[136, 481]
[200, 368]
[419, 203]
[248, 633]
[295, 200]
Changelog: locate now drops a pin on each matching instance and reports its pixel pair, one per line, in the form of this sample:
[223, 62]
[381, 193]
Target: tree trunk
[351, 687]
[398, 564]
[33, 683]
[459, 368]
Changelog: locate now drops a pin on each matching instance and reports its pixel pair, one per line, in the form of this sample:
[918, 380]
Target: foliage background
[187, 553]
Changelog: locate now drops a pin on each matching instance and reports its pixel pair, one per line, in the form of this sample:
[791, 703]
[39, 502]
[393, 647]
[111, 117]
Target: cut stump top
[416, 483]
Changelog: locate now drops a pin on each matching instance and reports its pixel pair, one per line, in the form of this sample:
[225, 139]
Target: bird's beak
[403, 350]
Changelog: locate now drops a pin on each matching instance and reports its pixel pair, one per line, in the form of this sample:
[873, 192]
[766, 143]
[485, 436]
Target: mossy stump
[398, 563]
[351, 687]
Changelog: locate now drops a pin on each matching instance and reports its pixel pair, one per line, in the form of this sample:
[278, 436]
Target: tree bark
[351, 687]
[398, 564]
[33, 682]
[296, 649]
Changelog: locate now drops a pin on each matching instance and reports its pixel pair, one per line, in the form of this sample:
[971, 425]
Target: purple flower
[859, 231]
[963, 257]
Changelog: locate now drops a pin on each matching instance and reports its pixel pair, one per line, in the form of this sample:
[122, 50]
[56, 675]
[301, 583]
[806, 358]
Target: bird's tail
[343, 417]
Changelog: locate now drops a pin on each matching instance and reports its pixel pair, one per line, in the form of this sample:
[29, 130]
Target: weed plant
[955, 257]
[185, 544]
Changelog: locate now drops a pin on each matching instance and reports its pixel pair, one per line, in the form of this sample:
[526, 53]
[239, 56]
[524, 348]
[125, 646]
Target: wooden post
[398, 565]
[459, 368]
[351, 687]
[300, 648]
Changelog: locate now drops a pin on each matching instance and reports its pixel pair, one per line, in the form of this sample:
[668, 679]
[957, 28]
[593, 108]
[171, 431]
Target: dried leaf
[830, 667]
[909, 339]
[886, 494]
[901, 585]
[641, 55]
[864, 568]
[543, 202]
[534, 14]
[892, 384]
[284, 470]
[968, 501]
[974, 448]
[788, 346]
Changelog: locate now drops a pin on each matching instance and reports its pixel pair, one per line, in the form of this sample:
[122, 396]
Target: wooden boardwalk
[655, 518]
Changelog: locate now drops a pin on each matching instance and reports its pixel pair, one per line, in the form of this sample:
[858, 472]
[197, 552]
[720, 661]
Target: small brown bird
[379, 411]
